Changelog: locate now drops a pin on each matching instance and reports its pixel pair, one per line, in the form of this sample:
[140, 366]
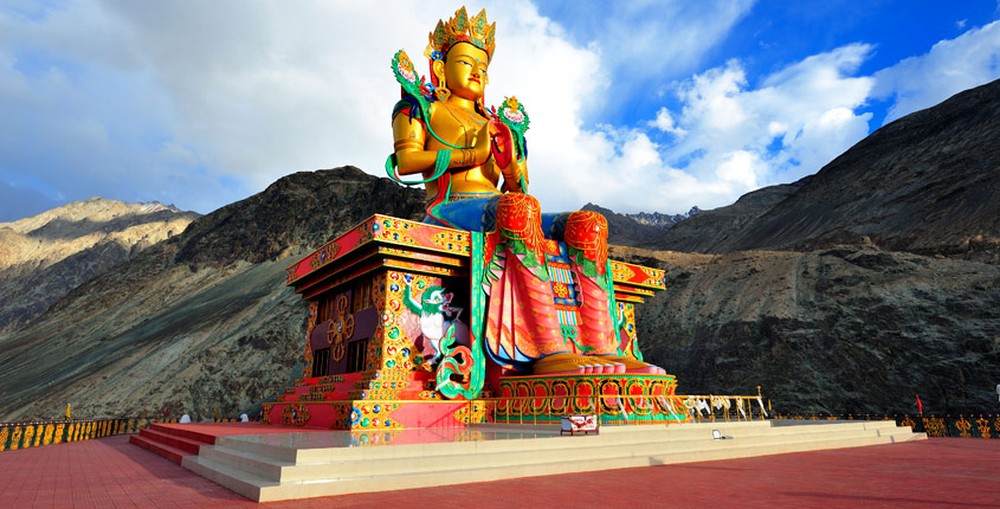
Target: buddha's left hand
[503, 157]
[503, 143]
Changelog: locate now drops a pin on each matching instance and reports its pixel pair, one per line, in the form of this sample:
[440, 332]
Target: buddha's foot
[635, 366]
[576, 364]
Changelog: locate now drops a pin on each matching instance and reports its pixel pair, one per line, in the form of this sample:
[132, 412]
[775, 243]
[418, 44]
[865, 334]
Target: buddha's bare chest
[458, 128]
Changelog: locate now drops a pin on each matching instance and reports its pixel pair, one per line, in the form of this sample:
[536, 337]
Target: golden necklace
[475, 118]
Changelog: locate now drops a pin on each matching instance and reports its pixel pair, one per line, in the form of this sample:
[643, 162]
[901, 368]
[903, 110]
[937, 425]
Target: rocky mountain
[849, 291]
[850, 329]
[43, 257]
[710, 228]
[625, 230]
[664, 221]
[199, 323]
[642, 229]
[854, 289]
[926, 183]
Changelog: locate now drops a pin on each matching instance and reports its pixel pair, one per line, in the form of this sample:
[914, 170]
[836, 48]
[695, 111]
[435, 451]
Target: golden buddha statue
[443, 132]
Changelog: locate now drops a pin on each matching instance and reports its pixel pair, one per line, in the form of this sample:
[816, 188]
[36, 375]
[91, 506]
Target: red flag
[920, 406]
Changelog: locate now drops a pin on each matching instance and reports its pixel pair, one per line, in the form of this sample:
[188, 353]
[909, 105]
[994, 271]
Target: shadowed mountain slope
[851, 329]
[855, 289]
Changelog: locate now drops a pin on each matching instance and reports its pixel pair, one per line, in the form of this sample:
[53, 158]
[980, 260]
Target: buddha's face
[465, 71]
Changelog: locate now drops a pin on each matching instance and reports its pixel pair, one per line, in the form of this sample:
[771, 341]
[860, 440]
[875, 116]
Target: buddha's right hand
[481, 149]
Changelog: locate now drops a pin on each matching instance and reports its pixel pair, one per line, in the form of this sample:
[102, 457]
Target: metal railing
[972, 426]
[22, 435]
[619, 409]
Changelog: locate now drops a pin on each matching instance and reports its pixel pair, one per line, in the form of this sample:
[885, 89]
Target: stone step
[174, 454]
[241, 481]
[501, 453]
[422, 478]
[744, 429]
[752, 428]
[265, 471]
[171, 441]
[183, 431]
[313, 452]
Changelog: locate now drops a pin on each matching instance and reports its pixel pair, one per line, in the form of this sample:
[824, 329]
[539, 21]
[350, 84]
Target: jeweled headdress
[476, 31]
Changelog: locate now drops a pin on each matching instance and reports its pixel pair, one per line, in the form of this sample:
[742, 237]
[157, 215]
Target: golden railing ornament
[935, 426]
[963, 426]
[984, 427]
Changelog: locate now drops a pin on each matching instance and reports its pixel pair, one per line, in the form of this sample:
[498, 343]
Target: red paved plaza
[944, 472]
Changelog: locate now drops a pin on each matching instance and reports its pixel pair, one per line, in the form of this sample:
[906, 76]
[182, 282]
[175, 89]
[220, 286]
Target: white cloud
[80, 116]
[722, 139]
[260, 90]
[950, 66]
[740, 167]
[738, 138]
[215, 101]
[204, 103]
[647, 39]
[665, 122]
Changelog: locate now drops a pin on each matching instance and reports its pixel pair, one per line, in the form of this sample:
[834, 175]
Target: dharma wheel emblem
[341, 329]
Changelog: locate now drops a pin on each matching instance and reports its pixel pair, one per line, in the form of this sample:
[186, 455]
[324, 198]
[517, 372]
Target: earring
[442, 92]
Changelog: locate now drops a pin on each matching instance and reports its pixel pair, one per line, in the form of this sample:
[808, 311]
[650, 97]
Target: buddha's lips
[476, 80]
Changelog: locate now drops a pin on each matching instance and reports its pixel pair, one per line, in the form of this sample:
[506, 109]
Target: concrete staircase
[170, 442]
[293, 466]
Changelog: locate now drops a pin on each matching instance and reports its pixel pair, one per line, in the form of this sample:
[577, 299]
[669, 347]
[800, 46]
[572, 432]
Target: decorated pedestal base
[320, 402]
[616, 399]
[388, 340]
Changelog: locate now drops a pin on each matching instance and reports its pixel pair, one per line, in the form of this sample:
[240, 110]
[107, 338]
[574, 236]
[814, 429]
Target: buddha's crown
[476, 31]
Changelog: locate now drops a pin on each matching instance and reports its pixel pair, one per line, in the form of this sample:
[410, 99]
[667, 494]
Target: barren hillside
[849, 329]
[197, 323]
[43, 257]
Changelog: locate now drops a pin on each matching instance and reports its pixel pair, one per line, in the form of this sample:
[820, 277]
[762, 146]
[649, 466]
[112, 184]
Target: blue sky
[636, 106]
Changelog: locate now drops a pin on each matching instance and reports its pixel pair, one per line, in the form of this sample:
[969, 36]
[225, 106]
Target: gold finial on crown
[476, 31]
